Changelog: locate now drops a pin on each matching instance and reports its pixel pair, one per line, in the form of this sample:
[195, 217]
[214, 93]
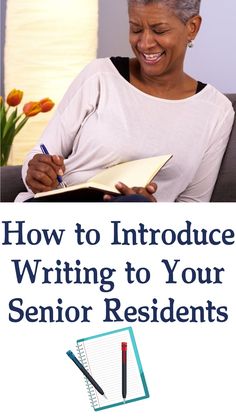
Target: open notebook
[101, 356]
[132, 173]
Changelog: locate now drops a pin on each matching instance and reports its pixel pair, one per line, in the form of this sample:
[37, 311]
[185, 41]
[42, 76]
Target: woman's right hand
[43, 171]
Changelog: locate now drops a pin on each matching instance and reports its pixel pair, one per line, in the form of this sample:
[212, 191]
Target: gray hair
[183, 9]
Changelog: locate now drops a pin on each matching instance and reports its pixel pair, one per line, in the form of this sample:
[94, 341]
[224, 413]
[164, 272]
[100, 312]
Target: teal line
[105, 334]
[139, 363]
[121, 403]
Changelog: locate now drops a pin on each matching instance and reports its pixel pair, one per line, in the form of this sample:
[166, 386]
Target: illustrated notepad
[101, 356]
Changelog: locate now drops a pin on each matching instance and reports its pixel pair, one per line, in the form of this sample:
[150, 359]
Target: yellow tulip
[46, 104]
[14, 97]
[31, 109]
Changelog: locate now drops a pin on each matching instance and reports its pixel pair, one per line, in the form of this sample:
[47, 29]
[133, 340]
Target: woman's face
[158, 38]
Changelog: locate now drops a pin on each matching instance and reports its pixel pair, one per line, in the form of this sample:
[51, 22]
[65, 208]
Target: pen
[59, 178]
[85, 372]
[124, 369]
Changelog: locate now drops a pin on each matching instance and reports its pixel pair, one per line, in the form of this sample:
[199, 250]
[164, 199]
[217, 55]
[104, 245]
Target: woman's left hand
[148, 191]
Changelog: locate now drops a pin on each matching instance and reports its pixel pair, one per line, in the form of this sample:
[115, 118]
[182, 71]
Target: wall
[3, 17]
[213, 57]
[113, 28]
[56, 40]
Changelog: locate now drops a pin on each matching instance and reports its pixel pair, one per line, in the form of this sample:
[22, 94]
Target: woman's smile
[153, 58]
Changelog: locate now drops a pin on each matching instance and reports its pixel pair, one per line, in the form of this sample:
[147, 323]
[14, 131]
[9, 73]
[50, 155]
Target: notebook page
[136, 172]
[104, 355]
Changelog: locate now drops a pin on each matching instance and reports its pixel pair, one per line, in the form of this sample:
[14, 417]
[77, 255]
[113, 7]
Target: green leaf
[17, 119]
[2, 104]
[10, 135]
[10, 122]
[8, 139]
[2, 119]
[6, 144]
[22, 123]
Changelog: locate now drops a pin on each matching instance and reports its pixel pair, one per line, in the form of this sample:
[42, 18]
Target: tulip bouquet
[12, 123]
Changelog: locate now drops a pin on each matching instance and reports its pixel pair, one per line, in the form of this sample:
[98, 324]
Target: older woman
[120, 109]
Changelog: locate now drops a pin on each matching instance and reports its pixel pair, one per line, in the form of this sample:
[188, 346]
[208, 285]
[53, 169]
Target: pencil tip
[105, 396]
[124, 401]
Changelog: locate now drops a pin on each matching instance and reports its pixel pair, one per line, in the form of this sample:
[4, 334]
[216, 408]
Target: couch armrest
[225, 187]
[11, 183]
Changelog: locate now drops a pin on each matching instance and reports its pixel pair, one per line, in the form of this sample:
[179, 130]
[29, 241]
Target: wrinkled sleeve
[78, 102]
[201, 187]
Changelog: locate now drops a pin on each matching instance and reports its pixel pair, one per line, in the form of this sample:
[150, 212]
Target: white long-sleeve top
[103, 120]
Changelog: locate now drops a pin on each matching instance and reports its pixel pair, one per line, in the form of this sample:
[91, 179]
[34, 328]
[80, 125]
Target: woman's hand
[43, 171]
[148, 191]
